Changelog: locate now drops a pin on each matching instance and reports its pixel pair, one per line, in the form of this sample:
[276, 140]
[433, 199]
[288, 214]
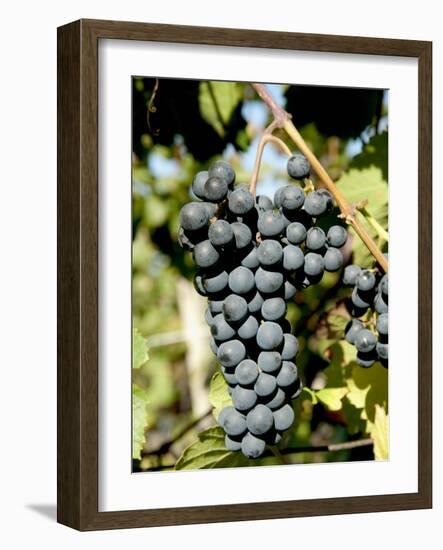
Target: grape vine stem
[282, 119]
[266, 137]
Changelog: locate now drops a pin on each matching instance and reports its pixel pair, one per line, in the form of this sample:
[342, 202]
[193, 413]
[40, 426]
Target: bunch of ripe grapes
[252, 255]
[369, 299]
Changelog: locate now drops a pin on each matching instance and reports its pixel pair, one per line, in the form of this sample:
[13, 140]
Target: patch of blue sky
[162, 167]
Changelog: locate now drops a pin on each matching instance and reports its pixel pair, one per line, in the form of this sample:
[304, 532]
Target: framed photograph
[230, 203]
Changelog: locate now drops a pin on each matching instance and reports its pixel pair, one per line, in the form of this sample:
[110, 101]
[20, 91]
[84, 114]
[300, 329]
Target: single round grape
[365, 280]
[382, 350]
[251, 259]
[269, 336]
[235, 308]
[296, 233]
[198, 184]
[314, 264]
[205, 255]
[382, 324]
[232, 444]
[269, 252]
[380, 305]
[193, 216]
[263, 203]
[231, 353]
[241, 280]
[293, 257]
[215, 306]
[254, 305]
[221, 330]
[365, 341]
[248, 329]
[315, 238]
[216, 189]
[265, 385]
[350, 274]
[260, 420]
[337, 236]
[242, 235]
[268, 282]
[213, 345]
[234, 423]
[333, 259]
[244, 399]
[277, 401]
[273, 309]
[215, 283]
[366, 360]
[223, 415]
[199, 286]
[222, 169]
[241, 201]
[352, 329]
[252, 447]
[316, 204]
[290, 347]
[298, 166]
[291, 197]
[220, 233]
[359, 300]
[270, 224]
[283, 418]
[269, 361]
[290, 291]
[247, 372]
[287, 375]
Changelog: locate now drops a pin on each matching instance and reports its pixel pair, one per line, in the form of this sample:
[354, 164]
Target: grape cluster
[369, 299]
[252, 255]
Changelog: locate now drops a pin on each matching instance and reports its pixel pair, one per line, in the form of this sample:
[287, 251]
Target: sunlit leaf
[331, 397]
[218, 394]
[379, 431]
[366, 184]
[218, 101]
[209, 451]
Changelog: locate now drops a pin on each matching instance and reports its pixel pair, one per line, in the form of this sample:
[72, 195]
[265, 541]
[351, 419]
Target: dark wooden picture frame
[78, 273]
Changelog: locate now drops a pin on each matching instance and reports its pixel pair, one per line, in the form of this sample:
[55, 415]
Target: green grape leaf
[331, 397]
[139, 349]
[218, 394]
[354, 422]
[358, 185]
[218, 101]
[139, 420]
[375, 153]
[368, 388]
[209, 451]
[379, 431]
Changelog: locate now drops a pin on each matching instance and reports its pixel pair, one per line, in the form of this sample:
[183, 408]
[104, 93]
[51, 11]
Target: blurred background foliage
[179, 128]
